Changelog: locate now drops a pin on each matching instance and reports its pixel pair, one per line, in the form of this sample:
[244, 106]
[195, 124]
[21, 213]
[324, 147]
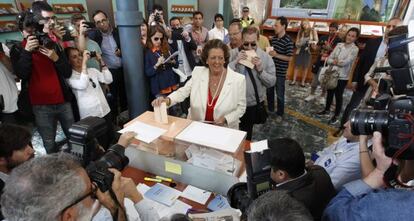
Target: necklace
[217, 89]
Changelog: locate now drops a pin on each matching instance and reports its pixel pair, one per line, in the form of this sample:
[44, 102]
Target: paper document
[145, 132]
[160, 113]
[163, 194]
[248, 62]
[218, 203]
[258, 146]
[219, 138]
[375, 30]
[171, 57]
[196, 194]
[221, 215]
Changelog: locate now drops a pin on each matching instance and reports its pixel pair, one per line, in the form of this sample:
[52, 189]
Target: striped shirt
[283, 46]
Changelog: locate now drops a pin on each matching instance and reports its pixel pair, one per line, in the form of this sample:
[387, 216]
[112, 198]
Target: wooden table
[138, 176]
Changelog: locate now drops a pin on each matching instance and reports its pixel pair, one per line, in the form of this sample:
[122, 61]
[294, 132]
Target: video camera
[393, 109]
[84, 145]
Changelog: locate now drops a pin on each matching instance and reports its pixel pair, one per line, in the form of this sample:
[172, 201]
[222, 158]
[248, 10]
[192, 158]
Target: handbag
[260, 115]
[329, 75]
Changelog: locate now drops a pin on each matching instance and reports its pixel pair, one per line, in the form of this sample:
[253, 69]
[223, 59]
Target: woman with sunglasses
[217, 93]
[85, 83]
[163, 80]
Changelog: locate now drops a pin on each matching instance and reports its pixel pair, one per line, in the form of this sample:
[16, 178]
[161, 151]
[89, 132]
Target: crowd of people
[222, 76]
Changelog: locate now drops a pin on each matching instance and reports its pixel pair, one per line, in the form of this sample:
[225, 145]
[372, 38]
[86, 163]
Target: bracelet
[363, 151]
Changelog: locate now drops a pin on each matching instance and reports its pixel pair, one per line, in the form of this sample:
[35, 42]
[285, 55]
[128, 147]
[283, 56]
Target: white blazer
[231, 102]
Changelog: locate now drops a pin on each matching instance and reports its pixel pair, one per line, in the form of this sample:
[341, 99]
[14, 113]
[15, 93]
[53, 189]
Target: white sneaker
[310, 97]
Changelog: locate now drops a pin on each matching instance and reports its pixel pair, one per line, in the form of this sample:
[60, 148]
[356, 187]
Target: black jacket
[315, 190]
[366, 60]
[96, 35]
[189, 47]
[22, 66]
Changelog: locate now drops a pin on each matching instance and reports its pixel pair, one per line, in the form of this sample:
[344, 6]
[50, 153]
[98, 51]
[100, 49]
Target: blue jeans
[46, 117]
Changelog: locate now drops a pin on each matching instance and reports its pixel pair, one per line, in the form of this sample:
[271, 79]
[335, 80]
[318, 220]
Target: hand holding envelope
[246, 58]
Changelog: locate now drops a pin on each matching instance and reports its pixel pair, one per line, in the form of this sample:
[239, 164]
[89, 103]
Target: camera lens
[365, 122]
[115, 158]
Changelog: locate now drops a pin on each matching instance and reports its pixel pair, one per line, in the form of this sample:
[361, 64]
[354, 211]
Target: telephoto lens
[365, 122]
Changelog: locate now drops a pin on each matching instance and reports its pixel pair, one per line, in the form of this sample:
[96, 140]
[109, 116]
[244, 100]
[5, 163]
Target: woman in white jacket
[342, 58]
[85, 84]
[217, 93]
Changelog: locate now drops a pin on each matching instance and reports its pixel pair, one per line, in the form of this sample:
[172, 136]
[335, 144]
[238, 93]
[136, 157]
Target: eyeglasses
[218, 20]
[92, 194]
[93, 83]
[234, 34]
[49, 18]
[245, 10]
[102, 21]
[156, 39]
[252, 44]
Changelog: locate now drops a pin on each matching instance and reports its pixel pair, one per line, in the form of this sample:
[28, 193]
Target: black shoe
[324, 112]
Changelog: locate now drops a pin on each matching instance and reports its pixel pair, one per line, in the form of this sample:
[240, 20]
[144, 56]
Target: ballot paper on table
[248, 62]
[145, 132]
[163, 194]
[196, 194]
[259, 146]
[162, 210]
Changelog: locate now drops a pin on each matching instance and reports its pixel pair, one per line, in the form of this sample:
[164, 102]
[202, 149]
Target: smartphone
[90, 24]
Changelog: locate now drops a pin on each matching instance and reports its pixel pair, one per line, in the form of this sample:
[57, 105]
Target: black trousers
[119, 100]
[246, 122]
[338, 92]
[108, 138]
[356, 99]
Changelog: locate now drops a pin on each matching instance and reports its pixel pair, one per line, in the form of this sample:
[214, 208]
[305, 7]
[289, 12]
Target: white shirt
[341, 162]
[8, 89]
[184, 65]
[91, 100]
[144, 208]
[382, 49]
[216, 33]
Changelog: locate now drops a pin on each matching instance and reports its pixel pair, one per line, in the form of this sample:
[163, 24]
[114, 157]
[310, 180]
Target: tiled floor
[300, 122]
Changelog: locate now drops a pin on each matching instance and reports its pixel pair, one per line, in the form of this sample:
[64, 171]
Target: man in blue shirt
[366, 199]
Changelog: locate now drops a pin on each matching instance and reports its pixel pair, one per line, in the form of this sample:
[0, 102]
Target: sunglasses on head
[253, 44]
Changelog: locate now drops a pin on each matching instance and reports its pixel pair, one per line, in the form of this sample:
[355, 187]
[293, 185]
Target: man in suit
[374, 48]
[259, 77]
[311, 186]
[182, 41]
[108, 39]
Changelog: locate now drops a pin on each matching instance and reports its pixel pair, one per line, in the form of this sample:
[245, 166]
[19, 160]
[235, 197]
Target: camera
[90, 25]
[27, 20]
[157, 17]
[176, 33]
[392, 113]
[92, 54]
[44, 40]
[84, 145]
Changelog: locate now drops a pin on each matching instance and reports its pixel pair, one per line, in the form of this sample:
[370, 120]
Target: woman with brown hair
[163, 80]
[217, 93]
[306, 36]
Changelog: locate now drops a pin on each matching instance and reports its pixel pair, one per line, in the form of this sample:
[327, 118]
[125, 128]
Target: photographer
[85, 83]
[367, 200]
[56, 187]
[311, 186]
[157, 17]
[42, 65]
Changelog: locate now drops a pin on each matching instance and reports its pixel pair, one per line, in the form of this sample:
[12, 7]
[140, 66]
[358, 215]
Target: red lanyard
[330, 40]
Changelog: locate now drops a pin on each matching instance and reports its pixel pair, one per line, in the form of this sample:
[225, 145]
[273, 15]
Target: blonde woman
[306, 37]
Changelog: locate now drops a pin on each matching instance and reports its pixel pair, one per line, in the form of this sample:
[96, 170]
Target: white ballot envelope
[248, 62]
[160, 113]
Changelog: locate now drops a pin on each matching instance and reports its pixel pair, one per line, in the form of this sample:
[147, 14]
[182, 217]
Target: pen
[164, 178]
[152, 179]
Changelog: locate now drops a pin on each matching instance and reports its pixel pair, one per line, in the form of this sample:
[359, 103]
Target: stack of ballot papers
[212, 159]
[196, 194]
[163, 211]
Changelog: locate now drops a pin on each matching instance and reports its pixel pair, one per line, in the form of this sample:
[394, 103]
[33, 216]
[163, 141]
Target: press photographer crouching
[386, 193]
[57, 187]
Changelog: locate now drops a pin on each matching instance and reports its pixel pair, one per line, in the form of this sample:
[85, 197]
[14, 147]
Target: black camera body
[176, 33]
[90, 25]
[393, 113]
[44, 40]
[92, 54]
[84, 145]
[157, 17]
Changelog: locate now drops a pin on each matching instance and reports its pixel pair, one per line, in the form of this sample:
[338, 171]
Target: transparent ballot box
[204, 152]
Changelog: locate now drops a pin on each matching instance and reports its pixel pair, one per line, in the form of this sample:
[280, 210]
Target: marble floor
[300, 122]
